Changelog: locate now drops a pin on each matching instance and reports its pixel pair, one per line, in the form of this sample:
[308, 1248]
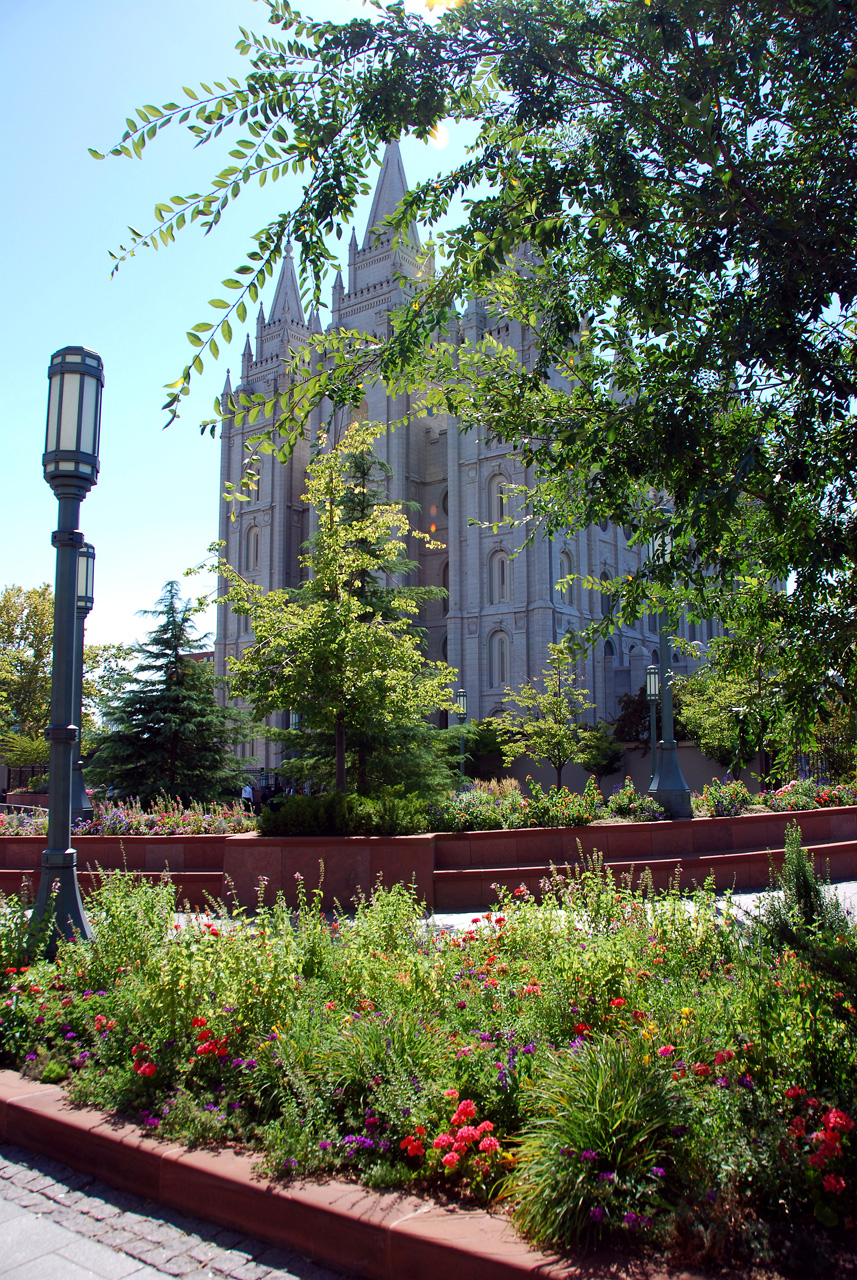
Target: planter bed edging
[380, 1236]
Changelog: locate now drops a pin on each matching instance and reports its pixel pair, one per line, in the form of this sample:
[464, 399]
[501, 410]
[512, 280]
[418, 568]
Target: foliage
[334, 814]
[605, 1030]
[680, 176]
[548, 730]
[806, 794]
[341, 656]
[804, 906]
[168, 736]
[598, 750]
[627, 802]
[26, 651]
[723, 799]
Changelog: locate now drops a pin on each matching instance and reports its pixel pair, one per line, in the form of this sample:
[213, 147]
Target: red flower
[665, 1050]
[798, 1127]
[139, 1048]
[837, 1120]
[638, 1015]
[420, 1131]
[725, 1055]
[450, 1160]
[198, 1022]
[148, 1069]
[833, 1182]
[442, 1140]
[618, 1003]
[701, 1069]
[795, 1092]
[582, 1027]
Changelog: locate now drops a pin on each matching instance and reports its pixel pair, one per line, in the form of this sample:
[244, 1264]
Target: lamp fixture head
[653, 683]
[70, 460]
[85, 578]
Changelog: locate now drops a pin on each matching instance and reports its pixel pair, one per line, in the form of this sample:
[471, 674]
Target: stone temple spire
[287, 303]
[390, 190]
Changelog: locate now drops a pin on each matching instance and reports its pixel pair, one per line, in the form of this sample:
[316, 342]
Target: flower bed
[130, 819]
[616, 1065]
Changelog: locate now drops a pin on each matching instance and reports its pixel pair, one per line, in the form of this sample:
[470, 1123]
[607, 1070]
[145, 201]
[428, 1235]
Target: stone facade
[504, 606]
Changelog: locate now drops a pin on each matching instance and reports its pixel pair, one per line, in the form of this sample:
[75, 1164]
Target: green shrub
[334, 814]
[593, 1154]
[723, 799]
[627, 802]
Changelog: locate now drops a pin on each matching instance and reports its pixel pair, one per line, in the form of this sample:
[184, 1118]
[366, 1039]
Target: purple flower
[71, 1035]
[325, 1146]
[679, 1130]
[607, 1177]
[723, 1082]
[589, 1155]
[658, 1172]
[251, 1064]
[745, 1082]
[237, 1062]
[631, 1220]
[528, 1048]
[31, 1057]
[597, 1213]
[461, 1004]
[39, 1021]
[567, 1151]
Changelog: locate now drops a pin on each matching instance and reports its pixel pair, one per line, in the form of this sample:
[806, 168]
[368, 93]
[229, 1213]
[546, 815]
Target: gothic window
[604, 525]
[653, 623]
[497, 499]
[566, 568]
[609, 651]
[498, 578]
[252, 547]
[498, 659]
[692, 631]
[606, 598]
[656, 657]
[445, 584]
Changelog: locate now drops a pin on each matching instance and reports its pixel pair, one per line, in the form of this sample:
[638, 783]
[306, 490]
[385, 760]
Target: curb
[379, 1236]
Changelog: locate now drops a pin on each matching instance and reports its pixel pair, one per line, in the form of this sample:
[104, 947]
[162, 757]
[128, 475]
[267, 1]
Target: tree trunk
[340, 754]
[558, 768]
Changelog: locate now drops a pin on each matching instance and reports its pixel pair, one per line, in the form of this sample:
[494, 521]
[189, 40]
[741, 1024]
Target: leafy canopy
[546, 728]
[664, 191]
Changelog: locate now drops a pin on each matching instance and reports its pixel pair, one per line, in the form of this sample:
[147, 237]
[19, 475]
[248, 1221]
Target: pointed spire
[352, 244]
[246, 358]
[287, 299]
[315, 321]
[338, 297]
[227, 386]
[390, 190]
[260, 318]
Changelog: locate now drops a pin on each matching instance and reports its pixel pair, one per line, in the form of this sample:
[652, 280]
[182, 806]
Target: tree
[598, 751]
[341, 650]
[167, 734]
[26, 654]
[671, 202]
[549, 730]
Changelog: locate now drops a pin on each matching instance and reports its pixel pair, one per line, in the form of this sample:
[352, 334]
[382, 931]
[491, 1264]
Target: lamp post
[461, 712]
[70, 462]
[81, 807]
[652, 691]
[668, 786]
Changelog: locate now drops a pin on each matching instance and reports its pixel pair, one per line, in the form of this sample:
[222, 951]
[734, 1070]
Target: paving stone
[181, 1265]
[73, 1220]
[225, 1261]
[252, 1271]
[103, 1261]
[203, 1251]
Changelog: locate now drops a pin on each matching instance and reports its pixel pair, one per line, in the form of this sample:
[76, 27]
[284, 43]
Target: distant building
[504, 606]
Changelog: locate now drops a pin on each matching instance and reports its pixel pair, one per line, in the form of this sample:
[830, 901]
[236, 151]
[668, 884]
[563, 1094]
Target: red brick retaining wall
[452, 870]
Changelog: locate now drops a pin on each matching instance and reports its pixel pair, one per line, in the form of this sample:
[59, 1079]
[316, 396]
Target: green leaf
[219, 303]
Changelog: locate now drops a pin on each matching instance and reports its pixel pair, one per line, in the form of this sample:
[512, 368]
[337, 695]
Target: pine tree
[168, 735]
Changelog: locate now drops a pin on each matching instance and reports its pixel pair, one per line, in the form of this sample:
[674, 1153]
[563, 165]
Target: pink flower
[450, 1161]
[450, 1093]
[466, 1134]
[442, 1141]
[837, 1120]
[489, 1145]
[724, 1055]
[665, 1050]
[485, 1127]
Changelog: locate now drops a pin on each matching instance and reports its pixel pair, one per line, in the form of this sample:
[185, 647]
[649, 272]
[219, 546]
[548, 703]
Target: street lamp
[652, 692]
[70, 462]
[81, 807]
[668, 786]
[461, 713]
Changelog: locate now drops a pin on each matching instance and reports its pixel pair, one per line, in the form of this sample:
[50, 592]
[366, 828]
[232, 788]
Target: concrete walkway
[56, 1224]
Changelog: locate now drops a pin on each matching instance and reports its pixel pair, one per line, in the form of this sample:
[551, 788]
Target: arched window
[445, 584]
[497, 499]
[609, 651]
[606, 598]
[653, 623]
[498, 659]
[604, 525]
[444, 502]
[251, 554]
[566, 568]
[656, 657]
[444, 648]
[498, 578]
[692, 633]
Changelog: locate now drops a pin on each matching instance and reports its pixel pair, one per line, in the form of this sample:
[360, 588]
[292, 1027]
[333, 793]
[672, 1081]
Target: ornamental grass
[606, 1061]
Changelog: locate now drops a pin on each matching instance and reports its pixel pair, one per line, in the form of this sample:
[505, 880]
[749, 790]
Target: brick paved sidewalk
[56, 1224]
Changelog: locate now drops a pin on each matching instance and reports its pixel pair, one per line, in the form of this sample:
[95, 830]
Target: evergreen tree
[342, 650]
[168, 734]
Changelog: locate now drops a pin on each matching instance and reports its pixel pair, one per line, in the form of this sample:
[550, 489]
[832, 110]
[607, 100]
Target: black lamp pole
[668, 786]
[81, 805]
[461, 711]
[652, 691]
[70, 462]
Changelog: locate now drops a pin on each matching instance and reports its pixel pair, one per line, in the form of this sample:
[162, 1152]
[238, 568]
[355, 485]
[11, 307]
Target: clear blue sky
[71, 74]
